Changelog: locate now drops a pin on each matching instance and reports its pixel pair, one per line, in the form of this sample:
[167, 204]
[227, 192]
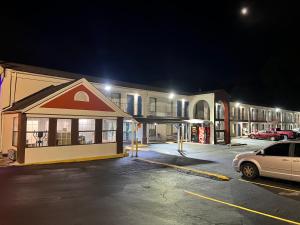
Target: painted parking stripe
[241, 207]
[201, 172]
[270, 186]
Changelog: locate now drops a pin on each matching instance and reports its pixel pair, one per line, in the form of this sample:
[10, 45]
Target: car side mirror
[261, 152]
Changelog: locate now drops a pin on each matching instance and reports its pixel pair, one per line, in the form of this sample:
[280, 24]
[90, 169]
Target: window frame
[46, 131]
[103, 131]
[150, 104]
[86, 131]
[71, 131]
[15, 131]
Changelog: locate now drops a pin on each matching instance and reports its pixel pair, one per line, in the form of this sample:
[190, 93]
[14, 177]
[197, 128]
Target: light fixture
[171, 95]
[244, 11]
[237, 104]
[107, 87]
[155, 124]
[277, 109]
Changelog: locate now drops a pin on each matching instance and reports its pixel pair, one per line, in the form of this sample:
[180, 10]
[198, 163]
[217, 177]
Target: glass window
[277, 150]
[116, 98]
[86, 128]
[109, 130]
[63, 132]
[152, 102]
[15, 131]
[297, 150]
[37, 132]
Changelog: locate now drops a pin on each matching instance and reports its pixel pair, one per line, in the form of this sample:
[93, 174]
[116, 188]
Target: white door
[276, 161]
[296, 163]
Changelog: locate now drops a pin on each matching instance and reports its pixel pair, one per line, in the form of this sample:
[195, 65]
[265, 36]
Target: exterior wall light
[277, 109]
[107, 87]
[171, 95]
[237, 104]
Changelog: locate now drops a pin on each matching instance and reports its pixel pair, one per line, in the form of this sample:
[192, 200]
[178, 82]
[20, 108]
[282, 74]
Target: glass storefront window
[86, 128]
[37, 132]
[63, 132]
[109, 130]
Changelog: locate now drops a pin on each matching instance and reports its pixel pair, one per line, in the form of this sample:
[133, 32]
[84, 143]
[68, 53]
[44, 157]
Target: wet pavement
[127, 191]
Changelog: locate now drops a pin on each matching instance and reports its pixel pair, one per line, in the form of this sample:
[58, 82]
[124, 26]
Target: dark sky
[179, 45]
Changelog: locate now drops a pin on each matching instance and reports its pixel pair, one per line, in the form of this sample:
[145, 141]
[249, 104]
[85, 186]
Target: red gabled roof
[66, 101]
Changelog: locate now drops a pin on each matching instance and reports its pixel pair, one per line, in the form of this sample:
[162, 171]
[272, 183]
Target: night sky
[178, 45]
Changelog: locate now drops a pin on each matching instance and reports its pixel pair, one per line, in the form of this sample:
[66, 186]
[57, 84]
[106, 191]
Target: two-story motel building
[50, 115]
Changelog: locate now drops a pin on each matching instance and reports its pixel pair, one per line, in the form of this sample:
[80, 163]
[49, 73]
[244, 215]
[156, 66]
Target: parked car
[266, 134]
[280, 160]
[297, 131]
[287, 134]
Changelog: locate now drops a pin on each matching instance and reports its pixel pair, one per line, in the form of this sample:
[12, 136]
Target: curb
[121, 155]
[201, 172]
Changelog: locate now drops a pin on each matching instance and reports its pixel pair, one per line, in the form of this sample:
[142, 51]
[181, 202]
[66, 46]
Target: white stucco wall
[58, 153]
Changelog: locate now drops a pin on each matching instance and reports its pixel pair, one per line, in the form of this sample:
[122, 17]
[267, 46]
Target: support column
[145, 138]
[74, 132]
[98, 131]
[22, 124]
[119, 137]
[52, 132]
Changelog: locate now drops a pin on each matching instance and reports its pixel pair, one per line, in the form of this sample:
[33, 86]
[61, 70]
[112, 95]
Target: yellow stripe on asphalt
[215, 175]
[270, 186]
[242, 208]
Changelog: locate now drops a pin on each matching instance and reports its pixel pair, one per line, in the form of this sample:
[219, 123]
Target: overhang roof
[31, 99]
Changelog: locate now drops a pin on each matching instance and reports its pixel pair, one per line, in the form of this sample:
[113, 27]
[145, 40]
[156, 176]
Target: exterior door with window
[296, 163]
[276, 161]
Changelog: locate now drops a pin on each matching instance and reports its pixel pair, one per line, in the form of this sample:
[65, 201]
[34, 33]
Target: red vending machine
[201, 134]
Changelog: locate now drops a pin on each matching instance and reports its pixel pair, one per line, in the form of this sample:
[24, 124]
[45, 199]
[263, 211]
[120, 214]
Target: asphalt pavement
[129, 191]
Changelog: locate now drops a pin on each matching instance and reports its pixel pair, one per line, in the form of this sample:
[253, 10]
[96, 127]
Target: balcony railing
[162, 109]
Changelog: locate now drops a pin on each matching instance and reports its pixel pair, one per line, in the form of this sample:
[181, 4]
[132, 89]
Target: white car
[280, 160]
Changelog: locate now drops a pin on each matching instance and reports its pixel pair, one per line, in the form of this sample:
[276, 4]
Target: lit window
[63, 133]
[37, 132]
[109, 130]
[81, 96]
[86, 128]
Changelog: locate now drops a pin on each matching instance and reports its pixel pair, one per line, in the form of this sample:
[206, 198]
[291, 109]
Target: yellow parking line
[271, 186]
[215, 175]
[242, 208]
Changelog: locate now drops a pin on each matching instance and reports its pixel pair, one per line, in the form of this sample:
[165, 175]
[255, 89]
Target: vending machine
[200, 134]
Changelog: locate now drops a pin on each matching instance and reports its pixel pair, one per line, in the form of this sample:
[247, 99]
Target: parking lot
[131, 191]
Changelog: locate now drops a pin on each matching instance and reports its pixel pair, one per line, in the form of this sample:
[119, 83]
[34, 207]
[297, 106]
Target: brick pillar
[119, 135]
[22, 124]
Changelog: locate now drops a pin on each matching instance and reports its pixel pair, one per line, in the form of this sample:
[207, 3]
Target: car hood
[245, 154]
